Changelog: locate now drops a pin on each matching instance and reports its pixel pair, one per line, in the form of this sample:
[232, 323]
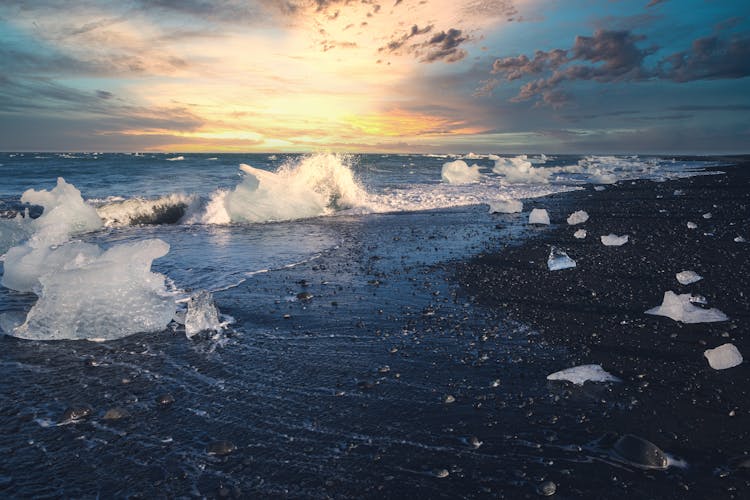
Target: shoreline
[669, 394]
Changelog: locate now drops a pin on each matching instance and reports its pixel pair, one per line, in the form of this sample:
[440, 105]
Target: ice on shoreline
[539, 216]
[506, 206]
[578, 217]
[580, 234]
[583, 373]
[688, 277]
[682, 308]
[458, 172]
[558, 259]
[202, 315]
[723, 357]
[612, 240]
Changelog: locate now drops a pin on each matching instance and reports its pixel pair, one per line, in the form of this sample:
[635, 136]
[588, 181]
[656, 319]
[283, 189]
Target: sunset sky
[661, 76]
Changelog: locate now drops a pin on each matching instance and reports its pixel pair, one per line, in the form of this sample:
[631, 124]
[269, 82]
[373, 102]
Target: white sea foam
[458, 172]
[176, 158]
[310, 186]
[519, 170]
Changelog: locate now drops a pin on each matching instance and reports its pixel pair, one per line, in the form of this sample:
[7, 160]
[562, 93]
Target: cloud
[709, 58]
[444, 46]
[655, 2]
[619, 56]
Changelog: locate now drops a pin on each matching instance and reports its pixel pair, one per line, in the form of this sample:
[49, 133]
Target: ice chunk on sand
[723, 357]
[458, 172]
[612, 240]
[102, 297]
[580, 234]
[681, 308]
[202, 314]
[558, 259]
[678, 192]
[599, 188]
[578, 217]
[688, 277]
[739, 239]
[25, 265]
[708, 215]
[692, 225]
[584, 373]
[539, 216]
[506, 207]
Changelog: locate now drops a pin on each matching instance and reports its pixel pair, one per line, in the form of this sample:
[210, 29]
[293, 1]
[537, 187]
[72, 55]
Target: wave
[304, 187]
[168, 209]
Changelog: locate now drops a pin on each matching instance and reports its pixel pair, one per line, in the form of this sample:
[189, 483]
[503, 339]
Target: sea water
[342, 335]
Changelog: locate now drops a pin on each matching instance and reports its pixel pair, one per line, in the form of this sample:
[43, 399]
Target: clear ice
[558, 259]
[681, 308]
[723, 357]
[506, 206]
[580, 234]
[583, 373]
[612, 240]
[578, 217]
[688, 277]
[202, 314]
[539, 216]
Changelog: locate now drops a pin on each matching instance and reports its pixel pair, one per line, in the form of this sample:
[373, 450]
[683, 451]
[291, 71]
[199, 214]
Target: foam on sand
[612, 240]
[578, 217]
[723, 357]
[304, 187]
[583, 373]
[539, 216]
[682, 308]
[688, 277]
[458, 172]
[506, 206]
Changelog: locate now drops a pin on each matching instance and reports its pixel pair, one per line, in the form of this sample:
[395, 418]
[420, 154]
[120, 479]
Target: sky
[431, 76]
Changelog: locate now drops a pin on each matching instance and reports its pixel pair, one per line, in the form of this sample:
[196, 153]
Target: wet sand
[595, 312]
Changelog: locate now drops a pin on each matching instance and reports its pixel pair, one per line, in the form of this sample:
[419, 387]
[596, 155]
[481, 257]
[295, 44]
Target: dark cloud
[618, 56]
[711, 107]
[442, 46]
[709, 58]
[655, 2]
[103, 94]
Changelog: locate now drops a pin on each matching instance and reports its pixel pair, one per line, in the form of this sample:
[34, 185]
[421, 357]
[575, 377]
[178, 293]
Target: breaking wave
[136, 211]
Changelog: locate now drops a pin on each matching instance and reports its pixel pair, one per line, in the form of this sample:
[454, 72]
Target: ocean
[332, 355]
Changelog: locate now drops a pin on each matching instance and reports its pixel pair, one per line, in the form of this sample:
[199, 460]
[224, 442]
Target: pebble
[165, 399]
[640, 452]
[221, 448]
[75, 413]
[449, 399]
[441, 473]
[116, 413]
[546, 489]
[304, 296]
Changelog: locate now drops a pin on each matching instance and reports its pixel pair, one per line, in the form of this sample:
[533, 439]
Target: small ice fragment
[599, 188]
[698, 299]
[580, 234]
[688, 277]
[612, 240]
[740, 239]
[723, 357]
[680, 308]
[539, 216]
[202, 314]
[584, 373]
[707, 215]
[558, 259]
[692, 225]
[678, 192]
[578, 217]
[506, 207]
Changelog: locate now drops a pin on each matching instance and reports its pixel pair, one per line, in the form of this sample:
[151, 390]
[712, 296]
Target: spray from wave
[309, 186]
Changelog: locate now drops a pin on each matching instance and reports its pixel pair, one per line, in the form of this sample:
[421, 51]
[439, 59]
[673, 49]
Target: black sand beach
[669, 395]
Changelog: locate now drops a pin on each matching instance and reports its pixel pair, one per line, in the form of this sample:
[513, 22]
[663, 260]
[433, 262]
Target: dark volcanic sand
[669, 394]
